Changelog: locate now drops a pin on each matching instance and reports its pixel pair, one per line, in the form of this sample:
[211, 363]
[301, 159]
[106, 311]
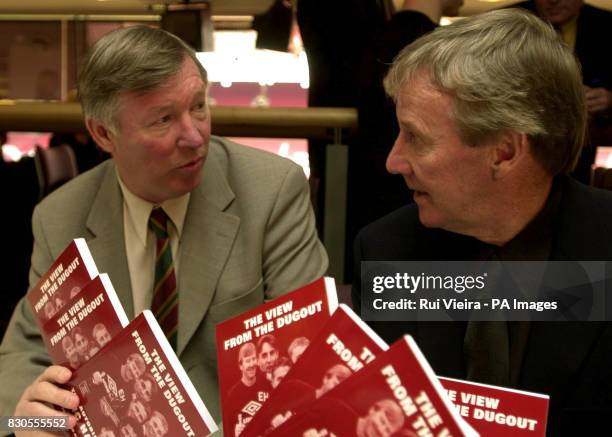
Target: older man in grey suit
[242, 229]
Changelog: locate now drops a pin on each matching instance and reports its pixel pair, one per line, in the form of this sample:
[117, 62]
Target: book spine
[332, 294]
[180, 371]
[365, 327]
[114, 299]
[85, 254]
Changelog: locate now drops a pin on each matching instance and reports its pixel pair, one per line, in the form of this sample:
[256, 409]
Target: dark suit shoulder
[404, 221]
[392, 237]
[589, 12]
[585, 222]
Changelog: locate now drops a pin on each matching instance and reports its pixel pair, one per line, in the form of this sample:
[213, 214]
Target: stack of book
[299, 365]
[128, 378]
[347, 382]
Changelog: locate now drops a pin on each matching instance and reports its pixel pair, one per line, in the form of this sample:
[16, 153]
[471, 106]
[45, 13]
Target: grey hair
[131, 59]
[505, 70]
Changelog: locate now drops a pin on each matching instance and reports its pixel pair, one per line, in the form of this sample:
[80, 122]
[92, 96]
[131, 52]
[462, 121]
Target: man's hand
[43, 395]
[597, 99]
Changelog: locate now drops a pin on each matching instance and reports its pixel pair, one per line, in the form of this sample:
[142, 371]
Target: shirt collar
[139, 211]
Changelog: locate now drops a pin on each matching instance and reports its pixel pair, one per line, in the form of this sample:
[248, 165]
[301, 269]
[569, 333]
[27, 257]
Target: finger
[40, 409]
[44, 391]
[55, 374]
[595, 95]
[592, 109]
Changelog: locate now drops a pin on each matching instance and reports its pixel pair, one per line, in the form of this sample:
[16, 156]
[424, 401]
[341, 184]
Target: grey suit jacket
[249, 235]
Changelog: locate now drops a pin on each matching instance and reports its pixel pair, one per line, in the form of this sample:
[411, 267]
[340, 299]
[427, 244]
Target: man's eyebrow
[163, 109]
[158, 110]
[410, 126]
[406, 124]
[201, 94]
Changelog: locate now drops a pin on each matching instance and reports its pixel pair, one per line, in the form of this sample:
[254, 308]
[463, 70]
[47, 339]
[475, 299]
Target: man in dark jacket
[486, 140]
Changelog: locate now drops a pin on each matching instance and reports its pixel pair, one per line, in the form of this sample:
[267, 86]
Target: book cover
[344, 345]
[85, 324]
[136, 386]
[396, 394]
[498, 411]
[70, 272]
[254, 348]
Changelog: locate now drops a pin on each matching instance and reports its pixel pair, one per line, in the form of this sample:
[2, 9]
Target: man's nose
[397, 161]
[190, 135]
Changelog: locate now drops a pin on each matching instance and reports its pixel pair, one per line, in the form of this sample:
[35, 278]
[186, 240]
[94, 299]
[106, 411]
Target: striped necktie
[165, 295]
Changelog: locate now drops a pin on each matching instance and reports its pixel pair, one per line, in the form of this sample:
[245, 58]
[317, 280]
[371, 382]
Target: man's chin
[183, 187]
[428, 219]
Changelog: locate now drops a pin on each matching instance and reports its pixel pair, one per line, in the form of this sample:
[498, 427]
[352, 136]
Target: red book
[251, 346]
[85, 324]
[498, 411]
[70, 272]
[396, 394]
[344, 345]
[136, 386]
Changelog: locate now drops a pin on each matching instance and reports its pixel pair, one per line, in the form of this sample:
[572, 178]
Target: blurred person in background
[350, 45]
[587, 30]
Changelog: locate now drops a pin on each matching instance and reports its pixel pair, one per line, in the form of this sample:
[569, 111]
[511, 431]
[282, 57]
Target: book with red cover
[251, 345]
[85, 324]
[396, 394]
[344, 346]
[498, 411]
[136, 386]
[70, 272]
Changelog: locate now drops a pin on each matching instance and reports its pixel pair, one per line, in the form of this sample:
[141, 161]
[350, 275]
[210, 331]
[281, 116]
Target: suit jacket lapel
[105, 222]
[208, 236]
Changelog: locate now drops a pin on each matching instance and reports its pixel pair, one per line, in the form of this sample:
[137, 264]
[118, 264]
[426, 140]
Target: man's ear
[101, 135]
[508, 152]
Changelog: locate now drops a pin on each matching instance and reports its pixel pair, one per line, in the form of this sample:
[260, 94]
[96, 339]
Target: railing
[330, 124]
[314, 123]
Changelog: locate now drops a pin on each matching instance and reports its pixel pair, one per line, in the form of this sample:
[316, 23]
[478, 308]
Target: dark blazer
[570, 361]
